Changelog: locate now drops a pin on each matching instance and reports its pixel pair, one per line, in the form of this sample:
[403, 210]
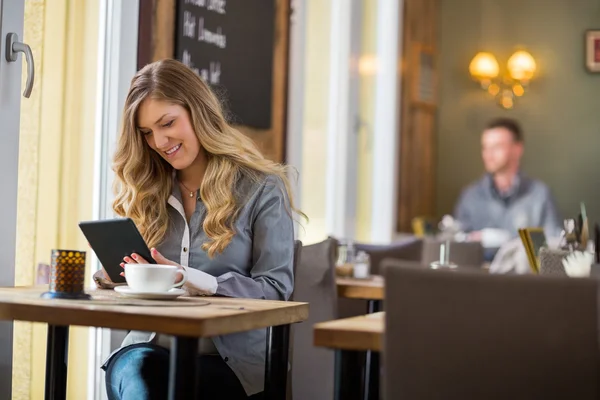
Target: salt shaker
[362, 265]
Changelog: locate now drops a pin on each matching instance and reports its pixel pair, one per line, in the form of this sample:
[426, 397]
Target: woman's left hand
[159, 258]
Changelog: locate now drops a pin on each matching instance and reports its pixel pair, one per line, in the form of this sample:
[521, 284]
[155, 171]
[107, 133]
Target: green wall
[560, 114]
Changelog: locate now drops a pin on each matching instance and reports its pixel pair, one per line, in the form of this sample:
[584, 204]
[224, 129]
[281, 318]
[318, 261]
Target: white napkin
[511, 258]
[494, 238]
[578, 264]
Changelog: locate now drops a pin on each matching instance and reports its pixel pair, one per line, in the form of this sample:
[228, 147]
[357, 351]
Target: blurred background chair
[409, 249]
[312, 367]
[477, 336]
[463, 254]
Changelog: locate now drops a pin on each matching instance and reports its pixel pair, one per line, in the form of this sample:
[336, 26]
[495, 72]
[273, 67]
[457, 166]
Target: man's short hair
[510, 125]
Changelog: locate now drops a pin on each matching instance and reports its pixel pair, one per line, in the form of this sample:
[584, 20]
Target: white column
[117, 63]
[296, 79]
[387, 116]
[341, 132]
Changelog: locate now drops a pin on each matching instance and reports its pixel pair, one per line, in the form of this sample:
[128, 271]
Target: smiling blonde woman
[205, 200]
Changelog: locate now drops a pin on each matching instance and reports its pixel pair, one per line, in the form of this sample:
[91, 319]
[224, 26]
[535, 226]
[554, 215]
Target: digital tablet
[112, 240]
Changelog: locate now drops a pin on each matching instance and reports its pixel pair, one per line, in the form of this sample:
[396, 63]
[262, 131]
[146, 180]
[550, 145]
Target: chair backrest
[312, 367]
[467, 254]
[297, 258]
[476, 336]
[409, 250]
[385, 263]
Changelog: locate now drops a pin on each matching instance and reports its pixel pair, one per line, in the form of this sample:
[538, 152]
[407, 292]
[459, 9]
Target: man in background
[492, 209]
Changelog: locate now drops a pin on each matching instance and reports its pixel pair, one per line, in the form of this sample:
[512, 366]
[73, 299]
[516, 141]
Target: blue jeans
[141, 372]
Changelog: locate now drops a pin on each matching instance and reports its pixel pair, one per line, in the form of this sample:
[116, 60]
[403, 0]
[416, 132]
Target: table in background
[373, 291]
[350, 337]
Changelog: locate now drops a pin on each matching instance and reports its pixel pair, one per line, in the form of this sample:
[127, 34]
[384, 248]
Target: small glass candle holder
[67, 275]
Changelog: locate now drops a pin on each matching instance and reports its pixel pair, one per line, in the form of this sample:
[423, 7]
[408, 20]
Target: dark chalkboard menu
[230, 44]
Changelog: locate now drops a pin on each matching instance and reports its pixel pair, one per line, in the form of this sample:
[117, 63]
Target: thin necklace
[192, 192]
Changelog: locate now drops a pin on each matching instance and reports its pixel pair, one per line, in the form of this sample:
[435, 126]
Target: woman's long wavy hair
[144, 180]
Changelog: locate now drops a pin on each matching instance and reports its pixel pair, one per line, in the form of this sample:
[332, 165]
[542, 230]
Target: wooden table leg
[56, 362]
[276, 362]
[348, 375]
[183, 368]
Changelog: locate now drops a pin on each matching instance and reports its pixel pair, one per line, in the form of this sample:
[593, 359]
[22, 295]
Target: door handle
[13, 46]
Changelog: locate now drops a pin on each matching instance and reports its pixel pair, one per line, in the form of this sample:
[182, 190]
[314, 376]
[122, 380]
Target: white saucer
[128, 292]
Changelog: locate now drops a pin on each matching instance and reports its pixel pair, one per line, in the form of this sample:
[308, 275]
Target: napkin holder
[551, 261]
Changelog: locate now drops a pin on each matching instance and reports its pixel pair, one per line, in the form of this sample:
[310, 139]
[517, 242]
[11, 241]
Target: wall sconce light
[521, 67]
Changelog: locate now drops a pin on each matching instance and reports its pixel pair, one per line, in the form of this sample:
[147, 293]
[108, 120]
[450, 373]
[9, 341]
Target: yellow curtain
[56, 161]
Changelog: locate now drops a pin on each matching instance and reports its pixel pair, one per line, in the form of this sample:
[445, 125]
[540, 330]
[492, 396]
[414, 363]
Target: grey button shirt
[256, 264]
[529, 203]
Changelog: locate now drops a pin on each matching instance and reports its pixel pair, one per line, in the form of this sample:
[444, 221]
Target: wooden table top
[366, 289]
[356, 333]
[221, 316]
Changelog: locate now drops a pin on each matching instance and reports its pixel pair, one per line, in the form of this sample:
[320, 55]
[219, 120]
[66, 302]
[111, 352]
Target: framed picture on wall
[423, 91]
[592, 50]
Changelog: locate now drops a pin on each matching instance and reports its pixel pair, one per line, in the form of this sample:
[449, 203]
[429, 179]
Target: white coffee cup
[153, 277]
